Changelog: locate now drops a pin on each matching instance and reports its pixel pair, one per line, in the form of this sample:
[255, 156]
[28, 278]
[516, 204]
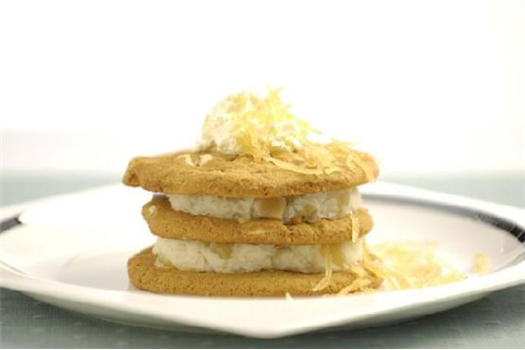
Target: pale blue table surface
[495, 321]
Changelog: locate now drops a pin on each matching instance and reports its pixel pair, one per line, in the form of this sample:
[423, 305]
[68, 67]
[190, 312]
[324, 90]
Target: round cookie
[168, 280]
[165, 222]
[216, 174]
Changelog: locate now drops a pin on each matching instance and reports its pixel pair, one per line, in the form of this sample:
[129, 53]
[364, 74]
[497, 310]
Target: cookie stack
[233, 224]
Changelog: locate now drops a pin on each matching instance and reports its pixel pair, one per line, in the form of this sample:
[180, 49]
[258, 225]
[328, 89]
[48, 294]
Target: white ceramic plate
[71, 251]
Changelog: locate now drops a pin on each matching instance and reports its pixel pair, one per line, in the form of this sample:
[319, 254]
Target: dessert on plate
[256, 209]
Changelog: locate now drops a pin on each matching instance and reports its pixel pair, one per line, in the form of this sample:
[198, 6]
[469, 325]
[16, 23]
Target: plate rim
[505, 278]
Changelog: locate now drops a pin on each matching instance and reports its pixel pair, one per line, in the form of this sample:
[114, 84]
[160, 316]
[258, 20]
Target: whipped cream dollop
[245, 121]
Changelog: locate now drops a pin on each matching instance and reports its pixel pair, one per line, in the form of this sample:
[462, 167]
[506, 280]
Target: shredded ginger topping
[411, 265]
[401, 266]
[265, 129]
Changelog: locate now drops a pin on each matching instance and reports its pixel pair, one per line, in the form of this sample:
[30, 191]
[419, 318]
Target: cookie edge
[168, 280]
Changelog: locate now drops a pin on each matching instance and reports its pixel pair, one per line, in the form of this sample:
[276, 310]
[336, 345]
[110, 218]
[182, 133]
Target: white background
[427, 86]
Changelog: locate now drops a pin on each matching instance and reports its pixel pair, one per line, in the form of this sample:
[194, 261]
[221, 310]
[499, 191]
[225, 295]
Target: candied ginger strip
[355, 228]
[481, 263]
[358, 284]
[325, 282]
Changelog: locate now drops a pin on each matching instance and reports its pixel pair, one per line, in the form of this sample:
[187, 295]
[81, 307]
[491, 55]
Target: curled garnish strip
[355, 227]
[385, 274]
[353, 158]
[293, 167]
[187, 158]
[358, 284]
[358, 270]
[325, 282]
[481, 263]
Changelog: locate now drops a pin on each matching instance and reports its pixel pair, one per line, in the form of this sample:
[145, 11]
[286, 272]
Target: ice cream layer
[309, 207]
[239, 258]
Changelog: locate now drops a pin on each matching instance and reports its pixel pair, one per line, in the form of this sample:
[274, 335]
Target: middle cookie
[165, 222]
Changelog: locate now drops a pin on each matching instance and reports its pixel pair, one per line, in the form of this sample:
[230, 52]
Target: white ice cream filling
[239, 258]
[308, 207]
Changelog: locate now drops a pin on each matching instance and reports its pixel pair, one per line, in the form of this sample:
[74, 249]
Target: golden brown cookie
[216, 174]
[165, 222]
[168, 280]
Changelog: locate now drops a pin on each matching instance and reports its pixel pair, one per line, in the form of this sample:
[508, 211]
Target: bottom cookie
[168, 280]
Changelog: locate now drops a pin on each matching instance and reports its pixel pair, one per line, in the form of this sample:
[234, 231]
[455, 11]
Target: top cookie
[217, 174]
